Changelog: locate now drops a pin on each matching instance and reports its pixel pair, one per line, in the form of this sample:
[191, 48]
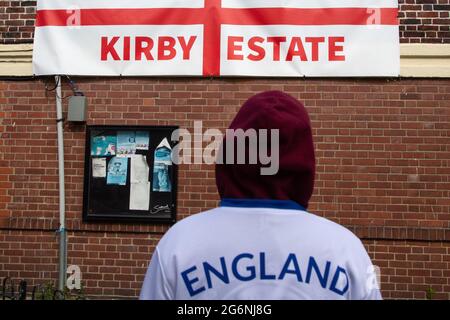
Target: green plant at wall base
[47, 291]
[430, 292]
[75, 294]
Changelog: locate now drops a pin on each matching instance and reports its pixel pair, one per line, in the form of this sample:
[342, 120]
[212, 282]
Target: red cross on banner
[223, 37]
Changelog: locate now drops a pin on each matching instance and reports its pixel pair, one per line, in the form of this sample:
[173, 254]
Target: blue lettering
[262, 265]
[291, 259]
[188, 282]
[249, 268]
[335, 280]
[210, 269]
[323, 279]
[246, 271]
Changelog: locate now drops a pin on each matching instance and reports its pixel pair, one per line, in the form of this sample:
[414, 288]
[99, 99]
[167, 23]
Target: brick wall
[17, 21]
[383, 170]
[112, 264]
[410, 268]
[425, 21]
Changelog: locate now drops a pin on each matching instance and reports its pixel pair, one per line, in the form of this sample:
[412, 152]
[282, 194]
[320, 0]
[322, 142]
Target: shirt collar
[261, 203]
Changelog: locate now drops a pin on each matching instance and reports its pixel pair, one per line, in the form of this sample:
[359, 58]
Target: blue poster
[103, 145]
[142, 140]
[161, 180]
[126, 142]
[163, 159]
[117, 171]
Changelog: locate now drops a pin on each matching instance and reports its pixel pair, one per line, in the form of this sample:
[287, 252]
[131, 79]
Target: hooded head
[294, 179]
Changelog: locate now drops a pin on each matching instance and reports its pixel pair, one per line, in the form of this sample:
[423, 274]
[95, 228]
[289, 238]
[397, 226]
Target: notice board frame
[92, 211]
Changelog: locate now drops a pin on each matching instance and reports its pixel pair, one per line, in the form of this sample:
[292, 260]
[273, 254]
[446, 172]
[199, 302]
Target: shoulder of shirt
[187, 225]
[345, 235]
[326, 226]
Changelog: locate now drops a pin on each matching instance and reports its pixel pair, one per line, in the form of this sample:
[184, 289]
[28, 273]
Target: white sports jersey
[259, 250]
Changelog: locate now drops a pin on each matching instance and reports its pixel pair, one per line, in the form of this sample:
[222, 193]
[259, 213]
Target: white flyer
[98, 167]
[140, 196]
[139, 168]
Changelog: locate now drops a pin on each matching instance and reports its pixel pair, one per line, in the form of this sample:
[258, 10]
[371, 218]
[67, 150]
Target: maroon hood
[295, 177]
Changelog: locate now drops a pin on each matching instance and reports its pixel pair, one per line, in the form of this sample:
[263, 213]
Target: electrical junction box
[77, 109]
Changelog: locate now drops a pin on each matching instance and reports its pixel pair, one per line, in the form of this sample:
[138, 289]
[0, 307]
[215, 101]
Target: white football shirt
[259, 249]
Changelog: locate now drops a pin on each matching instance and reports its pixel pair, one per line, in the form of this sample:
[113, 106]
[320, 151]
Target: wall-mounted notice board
[129, 174]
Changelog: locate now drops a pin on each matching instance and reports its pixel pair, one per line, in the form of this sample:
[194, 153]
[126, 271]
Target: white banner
[217, 38]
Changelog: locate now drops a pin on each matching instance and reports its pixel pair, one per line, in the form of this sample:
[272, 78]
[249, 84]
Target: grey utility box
[77, 109]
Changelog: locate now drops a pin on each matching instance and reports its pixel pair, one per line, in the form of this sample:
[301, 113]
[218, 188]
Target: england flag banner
[281, 38]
